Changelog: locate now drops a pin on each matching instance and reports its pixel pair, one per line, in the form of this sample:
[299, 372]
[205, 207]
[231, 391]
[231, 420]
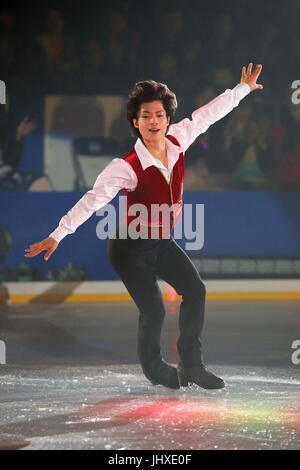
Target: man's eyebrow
[160, 111]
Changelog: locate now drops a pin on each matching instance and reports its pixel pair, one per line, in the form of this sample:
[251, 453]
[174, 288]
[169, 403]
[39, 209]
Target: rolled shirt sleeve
[117, 175]
[187, 130]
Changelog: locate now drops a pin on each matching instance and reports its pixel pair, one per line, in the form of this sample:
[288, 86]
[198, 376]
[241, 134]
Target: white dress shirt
[119, 174]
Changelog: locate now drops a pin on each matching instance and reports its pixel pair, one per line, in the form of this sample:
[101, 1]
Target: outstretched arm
[117, 175]
[187, 130]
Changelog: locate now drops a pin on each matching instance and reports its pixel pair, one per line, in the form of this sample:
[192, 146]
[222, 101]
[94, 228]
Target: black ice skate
[200, 376]
[162, 373]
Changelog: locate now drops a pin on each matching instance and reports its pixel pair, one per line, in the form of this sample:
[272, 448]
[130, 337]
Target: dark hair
[146, 92]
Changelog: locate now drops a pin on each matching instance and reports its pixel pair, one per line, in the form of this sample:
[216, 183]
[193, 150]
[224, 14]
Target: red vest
[152, 191]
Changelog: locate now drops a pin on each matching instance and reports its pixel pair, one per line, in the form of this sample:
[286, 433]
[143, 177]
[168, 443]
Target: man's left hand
[250, 77]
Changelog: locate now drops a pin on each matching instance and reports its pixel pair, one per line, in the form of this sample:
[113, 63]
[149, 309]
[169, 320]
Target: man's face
[152, 121]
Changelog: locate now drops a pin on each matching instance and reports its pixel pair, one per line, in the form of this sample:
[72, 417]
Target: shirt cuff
[243, 89]
[58, 234]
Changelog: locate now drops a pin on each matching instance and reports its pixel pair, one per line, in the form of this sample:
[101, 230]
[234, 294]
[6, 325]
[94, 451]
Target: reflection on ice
[115, 407]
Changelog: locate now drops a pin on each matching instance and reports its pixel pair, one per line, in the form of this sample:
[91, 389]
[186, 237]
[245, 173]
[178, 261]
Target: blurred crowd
[197, 48]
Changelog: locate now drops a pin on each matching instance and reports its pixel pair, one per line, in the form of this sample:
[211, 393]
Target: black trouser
[138, 262]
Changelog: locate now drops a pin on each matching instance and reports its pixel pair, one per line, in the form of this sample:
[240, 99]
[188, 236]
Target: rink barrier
[115, 291]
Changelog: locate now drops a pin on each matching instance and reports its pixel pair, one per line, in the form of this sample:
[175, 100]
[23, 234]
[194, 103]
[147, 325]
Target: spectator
[59, 50]
[251, 148]
[95, 78]
[11, 151]
[170, 42]
[286, 140]
[8, 45]
[121, 48]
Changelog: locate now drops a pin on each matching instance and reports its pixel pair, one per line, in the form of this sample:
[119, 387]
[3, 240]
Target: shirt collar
[146, 159]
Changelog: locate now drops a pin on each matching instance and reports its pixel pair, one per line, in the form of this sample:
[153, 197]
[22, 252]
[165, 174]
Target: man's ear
[135, 123]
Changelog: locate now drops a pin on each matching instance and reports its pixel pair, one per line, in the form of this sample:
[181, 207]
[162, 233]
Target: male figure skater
[152, 173]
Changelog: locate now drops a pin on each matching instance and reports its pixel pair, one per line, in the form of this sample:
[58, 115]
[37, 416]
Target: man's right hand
[48, 244]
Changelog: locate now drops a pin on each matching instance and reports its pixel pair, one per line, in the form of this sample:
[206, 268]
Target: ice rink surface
[72, 380]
